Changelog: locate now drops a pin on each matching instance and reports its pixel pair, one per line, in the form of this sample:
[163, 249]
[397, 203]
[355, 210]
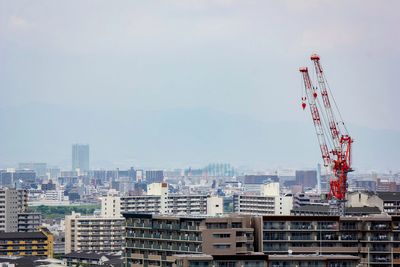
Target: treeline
[58, 212]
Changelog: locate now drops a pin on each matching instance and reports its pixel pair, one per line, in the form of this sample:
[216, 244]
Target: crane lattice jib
[311, 96]
[333, 126]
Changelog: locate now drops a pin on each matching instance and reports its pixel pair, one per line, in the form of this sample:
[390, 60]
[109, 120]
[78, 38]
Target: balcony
[241, 239]
[347, 237]
[329, 250]
[241, 250]
[274, 226]
[301, 226]
[154, 257]
[380, 227]
[377, 260]
[378, 249]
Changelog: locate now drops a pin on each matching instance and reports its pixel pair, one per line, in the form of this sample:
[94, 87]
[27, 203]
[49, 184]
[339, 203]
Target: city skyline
[204, 133]
[141, 68]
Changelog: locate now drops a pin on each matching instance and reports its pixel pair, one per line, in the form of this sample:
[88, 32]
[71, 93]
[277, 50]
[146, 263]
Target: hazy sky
[234, 57]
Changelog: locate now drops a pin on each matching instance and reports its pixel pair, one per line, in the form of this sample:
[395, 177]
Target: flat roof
[90, 255]
[22, 235]
[313, 257]
[389, 196]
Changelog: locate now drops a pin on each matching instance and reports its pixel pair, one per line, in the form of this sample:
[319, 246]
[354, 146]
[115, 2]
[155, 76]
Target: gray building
[12, 202]
[29, 221]
[154, 176]
[39, 168]
[80, 157]
[17, 178]
[155, 240]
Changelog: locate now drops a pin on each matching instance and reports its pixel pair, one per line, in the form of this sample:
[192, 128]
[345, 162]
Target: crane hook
[303, 104]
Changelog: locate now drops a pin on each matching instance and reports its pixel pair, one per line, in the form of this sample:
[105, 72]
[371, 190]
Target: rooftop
[389, 196]
[22, 235]
[91, 255]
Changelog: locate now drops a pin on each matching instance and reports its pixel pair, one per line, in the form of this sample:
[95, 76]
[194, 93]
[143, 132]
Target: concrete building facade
[158, 200]
[156, 239]
[267, 201]
[29, 221]
[38, 243]
[374, 240]
[80, 157]
[12, 202]
[93, 233]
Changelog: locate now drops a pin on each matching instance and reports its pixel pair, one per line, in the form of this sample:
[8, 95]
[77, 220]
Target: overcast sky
[235, 57]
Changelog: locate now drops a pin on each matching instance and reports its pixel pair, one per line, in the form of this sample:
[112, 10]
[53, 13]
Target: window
[217, 225]
[199, 264]
[226, 264]
[221, 235]
[222, 246]
[236, 225]
[254, 264]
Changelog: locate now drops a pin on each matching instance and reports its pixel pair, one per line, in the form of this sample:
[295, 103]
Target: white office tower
[159, 189]
[270, 189]
[215, 206]
[283, 204]
[111, 204]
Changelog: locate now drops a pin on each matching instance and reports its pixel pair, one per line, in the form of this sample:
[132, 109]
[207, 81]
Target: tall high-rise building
[39, 168]
[80, 157]
[12, 202]
[307, 178]
[154, 176]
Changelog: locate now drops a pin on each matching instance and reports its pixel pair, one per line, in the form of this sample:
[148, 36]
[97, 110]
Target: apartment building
[391, 202]
[94, 233]
[254, 204]
[263, 260]
[375, 239]
[29, 221]
[186, 204]
[38, 243]
[387, 202]
[158, 200]
[154, 239]
[263, 205]
[79, 259]
[12, 202]
[312, 210]
[204, 260]
[267, 201]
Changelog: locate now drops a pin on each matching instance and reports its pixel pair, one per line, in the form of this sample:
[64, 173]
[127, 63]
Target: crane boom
[311, 96]
[334, 130]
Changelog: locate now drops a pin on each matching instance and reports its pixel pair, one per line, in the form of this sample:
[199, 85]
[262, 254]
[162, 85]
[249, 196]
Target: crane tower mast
[334, 141]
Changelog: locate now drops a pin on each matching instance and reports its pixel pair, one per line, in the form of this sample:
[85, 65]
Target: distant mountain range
[175, 138]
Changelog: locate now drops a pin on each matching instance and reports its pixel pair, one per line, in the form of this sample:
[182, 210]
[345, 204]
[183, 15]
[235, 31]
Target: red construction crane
[336, 153]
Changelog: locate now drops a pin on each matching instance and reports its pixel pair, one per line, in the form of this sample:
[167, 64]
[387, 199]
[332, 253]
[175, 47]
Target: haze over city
[199, 133]
[185, 83]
